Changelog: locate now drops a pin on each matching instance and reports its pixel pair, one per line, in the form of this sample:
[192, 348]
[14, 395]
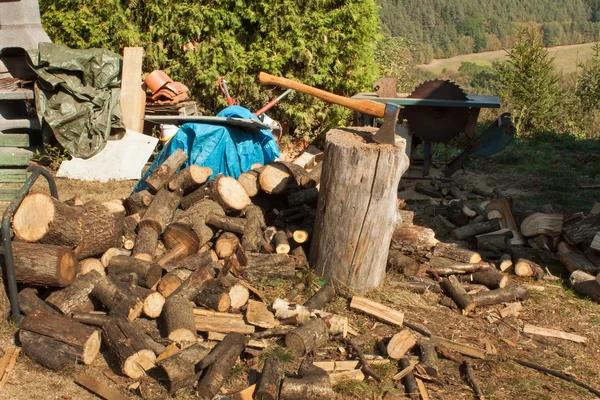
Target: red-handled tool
[225, 90]
[272, 103]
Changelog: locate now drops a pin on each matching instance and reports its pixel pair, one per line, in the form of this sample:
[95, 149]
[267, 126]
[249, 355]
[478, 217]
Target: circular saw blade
[437, 124]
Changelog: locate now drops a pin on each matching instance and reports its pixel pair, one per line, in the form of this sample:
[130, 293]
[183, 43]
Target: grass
[566, 59]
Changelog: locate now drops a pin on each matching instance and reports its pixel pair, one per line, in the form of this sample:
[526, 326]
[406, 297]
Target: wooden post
[357, 208]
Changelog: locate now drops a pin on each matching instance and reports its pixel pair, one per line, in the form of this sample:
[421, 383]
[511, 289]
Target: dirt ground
[551, 305]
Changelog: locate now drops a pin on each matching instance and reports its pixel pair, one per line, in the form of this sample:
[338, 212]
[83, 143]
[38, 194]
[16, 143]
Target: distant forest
[446, 28]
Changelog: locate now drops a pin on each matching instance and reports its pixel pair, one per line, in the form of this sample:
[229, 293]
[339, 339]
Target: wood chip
[405, 371]
[170, 350]
[512, 310]
[509, 342]
[536, 330]
[245, 394]
[99, 388]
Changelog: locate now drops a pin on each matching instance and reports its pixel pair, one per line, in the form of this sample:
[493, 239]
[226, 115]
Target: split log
[402, 264]
[211, 321]
[274, 178]
[189, 177]
[138, 202]
[490, 278]
[343, 249]
[181, 241]
[197, 281]
[445, 266]
[497, 296]
[44, 264]
[231, 224]
[214, 296]
[43, 219]
[119, 302]
[178, 315]
[83, 341]
[414, 239]
[145, 244]
[91, 264]
[454, 289]
[320, 299]
[270, 380]
[585, 285]
[98, 388]
[314, 384]
[226, 244]
[470, 230]
[581, 233]
[456, 253]
[92, 318]
[161, 175]
[577, 262]
[46, 351]
[309, 157]
[542, 224]
[218, 372]
[377, 310]
[307, 338]
[528, 268]
[238, 296]
[300, 197]
[29, 302]
[400, 344]
[282, 246]
[249, 180]
[428, 357]
[538, 330]
[252, 238]
[128, 345]
[161, 211]
[101, 229]
[77, 296]
[257, 314]
[181, 367]
[419, 286]
[506, 264]
[148, 272]
[271, 266]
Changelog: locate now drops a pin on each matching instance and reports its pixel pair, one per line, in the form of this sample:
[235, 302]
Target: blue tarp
[226, 150]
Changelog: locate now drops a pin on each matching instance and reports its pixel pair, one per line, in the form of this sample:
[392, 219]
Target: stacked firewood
[515, 242]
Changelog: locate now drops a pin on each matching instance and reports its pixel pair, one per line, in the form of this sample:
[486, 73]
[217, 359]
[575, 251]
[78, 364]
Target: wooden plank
[99, 388]
[465, 349]
[13, 175]
[7, 194]
[377, 310]
[132, 95]
[7, 363]
[13, 156]
[537, 330]
[14, 140]
[422, 389]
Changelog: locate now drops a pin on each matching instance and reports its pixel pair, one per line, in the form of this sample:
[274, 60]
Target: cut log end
[136, 365]
[91, 348]
[33, 217]
[232, 193]
[181, 335]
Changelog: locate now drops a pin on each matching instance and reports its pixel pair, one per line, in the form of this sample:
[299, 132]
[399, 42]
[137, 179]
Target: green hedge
[325, 43]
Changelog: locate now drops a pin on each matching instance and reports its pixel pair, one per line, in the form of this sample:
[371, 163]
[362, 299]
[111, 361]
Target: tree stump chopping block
[357, 208]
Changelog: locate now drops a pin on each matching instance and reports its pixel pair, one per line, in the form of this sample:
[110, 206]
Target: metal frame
[11, 280]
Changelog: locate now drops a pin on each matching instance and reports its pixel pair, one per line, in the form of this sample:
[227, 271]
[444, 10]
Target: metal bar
[472, 101]
[11, 280]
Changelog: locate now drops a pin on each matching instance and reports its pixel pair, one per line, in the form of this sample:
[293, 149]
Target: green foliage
[52, 156]
[588, 81]
[528, 82]
[325, 43]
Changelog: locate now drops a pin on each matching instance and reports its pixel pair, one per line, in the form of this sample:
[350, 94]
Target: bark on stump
[357, 208]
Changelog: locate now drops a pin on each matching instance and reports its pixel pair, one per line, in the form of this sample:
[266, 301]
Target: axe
[389, 112]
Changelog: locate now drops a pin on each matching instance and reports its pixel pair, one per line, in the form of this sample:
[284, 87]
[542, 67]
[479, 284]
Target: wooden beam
[13, 156]
[13, 175]
[14, 140]
[132, 96]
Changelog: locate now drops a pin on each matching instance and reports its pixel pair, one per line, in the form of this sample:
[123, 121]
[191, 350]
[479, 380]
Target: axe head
[387, 132]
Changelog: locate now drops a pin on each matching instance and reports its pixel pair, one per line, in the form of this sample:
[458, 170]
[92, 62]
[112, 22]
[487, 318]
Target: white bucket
[167, 132]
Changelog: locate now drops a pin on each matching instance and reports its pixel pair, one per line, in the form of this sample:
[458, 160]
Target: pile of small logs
[517, 242]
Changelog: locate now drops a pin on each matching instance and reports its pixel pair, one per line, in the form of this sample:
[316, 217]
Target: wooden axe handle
[368, 107]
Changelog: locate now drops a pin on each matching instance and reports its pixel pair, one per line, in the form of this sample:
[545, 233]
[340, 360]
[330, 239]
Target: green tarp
[77, 96]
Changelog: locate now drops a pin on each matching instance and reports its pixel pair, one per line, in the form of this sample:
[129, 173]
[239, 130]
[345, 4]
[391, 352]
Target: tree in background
[588, 82]
[325, 43]
[528, 82]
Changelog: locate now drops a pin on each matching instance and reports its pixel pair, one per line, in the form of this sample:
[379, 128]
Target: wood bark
[189, 177]
[117, 300]
[417, 240]
[231, 224]
[410, 384]
[145, 243]
[271, 266]
[91, 264]
[127, 343]
[456, 253]
[586, 285]
[148, 272]
[43, 219]
[84, 341]
[226, 244]
[46, 351]
[314, 384]
[582, 233]
[249, 180]
[161, 210]
[152, 301]
[166, 170]
[130, 225]
[307, 338]
[170, 282]
[593, 256]
[44, 264]
[270, 380]
[252, 238]
[196, 281]
[77, 296]
[445, 266]
[320, 299]
[496, 243]
[193, 261]
[214, 296]
[542, 224]
[218, 372]
[489, 278]
[138, 202]
[181, 367]
[428, 357]
[575, 262]
[91, 318]
[455, 290]
[470, 230]
[506, 264]
[195, 217]
[110, 253]
[29, 301]
[595, 245]
[178, 316]
[497, 296]
[101, 229]
[344, 249]
[301, 197]
[274, 178]
[400, 263]
[181, 241]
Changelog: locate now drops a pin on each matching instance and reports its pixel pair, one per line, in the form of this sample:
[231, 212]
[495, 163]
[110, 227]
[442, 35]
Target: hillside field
[566, 58]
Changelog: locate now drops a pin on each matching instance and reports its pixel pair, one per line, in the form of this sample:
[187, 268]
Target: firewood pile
[167, 279]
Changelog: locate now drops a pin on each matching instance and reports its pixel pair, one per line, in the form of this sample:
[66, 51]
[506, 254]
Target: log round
[357, 208]
[44, 264]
